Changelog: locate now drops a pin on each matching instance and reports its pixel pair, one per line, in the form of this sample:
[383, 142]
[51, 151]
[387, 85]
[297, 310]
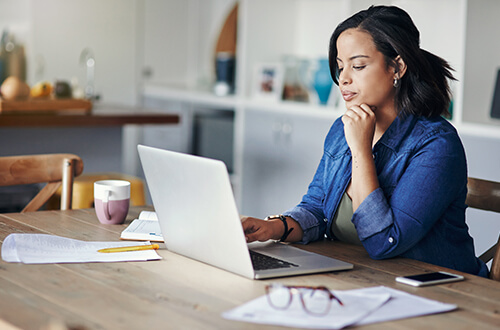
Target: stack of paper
[43, 249]
[361, 306]
[144, 228]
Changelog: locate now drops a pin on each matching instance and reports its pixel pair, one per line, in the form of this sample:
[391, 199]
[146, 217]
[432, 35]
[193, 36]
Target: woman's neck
[384, 119]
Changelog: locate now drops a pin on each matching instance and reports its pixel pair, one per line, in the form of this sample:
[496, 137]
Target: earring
[396, 82]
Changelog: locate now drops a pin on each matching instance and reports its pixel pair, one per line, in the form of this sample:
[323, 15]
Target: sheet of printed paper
[356, 305]
[361, 306]
[42, 249]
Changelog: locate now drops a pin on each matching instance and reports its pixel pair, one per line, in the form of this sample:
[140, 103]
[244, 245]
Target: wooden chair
[485, 195]
[54, 169]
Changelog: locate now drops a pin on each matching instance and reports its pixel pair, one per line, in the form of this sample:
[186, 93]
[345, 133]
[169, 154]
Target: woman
[393, 176]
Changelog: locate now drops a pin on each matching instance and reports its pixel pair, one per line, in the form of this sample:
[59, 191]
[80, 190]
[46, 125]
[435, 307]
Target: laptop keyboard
[263, 262]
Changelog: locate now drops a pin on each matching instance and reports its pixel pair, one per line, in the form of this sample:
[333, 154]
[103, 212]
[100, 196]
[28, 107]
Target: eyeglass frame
[292, 289]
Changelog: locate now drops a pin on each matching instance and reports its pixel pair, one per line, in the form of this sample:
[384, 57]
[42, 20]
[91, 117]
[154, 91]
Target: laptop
[198, 217]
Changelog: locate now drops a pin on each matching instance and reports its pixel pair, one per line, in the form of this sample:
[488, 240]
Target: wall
[483, 159]
[482, 60]
[63, 29]
[54, 33]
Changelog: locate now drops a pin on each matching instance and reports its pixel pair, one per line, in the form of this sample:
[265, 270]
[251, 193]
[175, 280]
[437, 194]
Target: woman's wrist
[281, 229]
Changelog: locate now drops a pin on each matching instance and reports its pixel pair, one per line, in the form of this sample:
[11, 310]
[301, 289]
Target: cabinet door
[179, 40]
[167, 30]
[280, 156]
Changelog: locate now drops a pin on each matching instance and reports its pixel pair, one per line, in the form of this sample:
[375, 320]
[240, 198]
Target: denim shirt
[417, 212]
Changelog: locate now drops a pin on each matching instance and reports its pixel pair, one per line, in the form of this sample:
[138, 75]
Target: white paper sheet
[356, 306]
[403, 305]
[145, 230]
[42, 249]
[148, 215]
[361, 306]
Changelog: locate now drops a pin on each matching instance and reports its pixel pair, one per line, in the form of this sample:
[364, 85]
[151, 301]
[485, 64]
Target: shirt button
[391, 240]
[325, 220]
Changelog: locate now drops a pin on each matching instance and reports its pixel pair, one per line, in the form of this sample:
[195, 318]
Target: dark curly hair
[423, 90]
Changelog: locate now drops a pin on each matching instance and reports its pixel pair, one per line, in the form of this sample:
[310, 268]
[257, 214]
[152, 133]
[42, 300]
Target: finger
[351, 113]
[361, 110]
[249, 238]
[358, 112]
[254, 236]
[368, 110]
[346, 119]
[249, 228]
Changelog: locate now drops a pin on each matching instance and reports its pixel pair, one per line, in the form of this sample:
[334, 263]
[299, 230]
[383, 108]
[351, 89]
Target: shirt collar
[399, 128]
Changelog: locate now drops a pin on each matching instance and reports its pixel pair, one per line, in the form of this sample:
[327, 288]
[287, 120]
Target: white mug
[111, 200]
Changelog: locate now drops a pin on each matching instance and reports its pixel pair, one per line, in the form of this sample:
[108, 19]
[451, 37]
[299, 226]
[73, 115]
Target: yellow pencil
[130, 248]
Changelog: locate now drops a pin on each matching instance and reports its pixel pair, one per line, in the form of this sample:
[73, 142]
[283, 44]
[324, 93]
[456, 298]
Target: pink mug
[111, 201]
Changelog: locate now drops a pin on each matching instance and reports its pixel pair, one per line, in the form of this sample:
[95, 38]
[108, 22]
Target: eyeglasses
[316, 300]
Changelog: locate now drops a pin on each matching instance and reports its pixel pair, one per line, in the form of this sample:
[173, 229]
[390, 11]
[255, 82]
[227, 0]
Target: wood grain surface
[180, 293]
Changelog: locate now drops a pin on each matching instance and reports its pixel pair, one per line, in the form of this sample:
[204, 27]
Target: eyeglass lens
[279, 296]
[314, 301]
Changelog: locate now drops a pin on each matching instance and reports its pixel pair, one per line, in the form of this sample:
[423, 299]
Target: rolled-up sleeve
[373, 207]
[431, 182]
[312, 228]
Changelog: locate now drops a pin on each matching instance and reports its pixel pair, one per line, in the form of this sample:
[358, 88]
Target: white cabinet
[281, 153]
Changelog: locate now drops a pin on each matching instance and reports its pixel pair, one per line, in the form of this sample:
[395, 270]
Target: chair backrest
[53, 169]
[485, 195]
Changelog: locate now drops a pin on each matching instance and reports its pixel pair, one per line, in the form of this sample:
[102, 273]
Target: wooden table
[180, 293]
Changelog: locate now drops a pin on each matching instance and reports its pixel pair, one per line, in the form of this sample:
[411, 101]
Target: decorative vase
[323, 81]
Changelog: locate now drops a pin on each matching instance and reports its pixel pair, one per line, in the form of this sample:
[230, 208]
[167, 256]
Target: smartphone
[429, 278]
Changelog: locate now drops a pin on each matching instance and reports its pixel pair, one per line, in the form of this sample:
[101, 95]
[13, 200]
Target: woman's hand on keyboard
[261, 230]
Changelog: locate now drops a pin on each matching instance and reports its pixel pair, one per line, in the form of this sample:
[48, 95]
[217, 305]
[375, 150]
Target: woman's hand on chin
[359, 127]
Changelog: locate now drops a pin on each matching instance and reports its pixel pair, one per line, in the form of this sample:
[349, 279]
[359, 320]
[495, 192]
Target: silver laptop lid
[196, 208]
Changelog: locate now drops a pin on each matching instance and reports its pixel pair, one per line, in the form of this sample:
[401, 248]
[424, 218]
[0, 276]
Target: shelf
[205, 98]
[479, 130]
[43, 105]
[296, 108]
[209, 100]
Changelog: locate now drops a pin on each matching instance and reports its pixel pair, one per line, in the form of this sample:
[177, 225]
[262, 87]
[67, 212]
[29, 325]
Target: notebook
[198, 217]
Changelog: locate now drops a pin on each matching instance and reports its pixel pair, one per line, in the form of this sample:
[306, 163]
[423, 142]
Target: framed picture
[268, 81]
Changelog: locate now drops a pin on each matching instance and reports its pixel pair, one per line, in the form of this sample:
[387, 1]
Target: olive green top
[342, 227]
